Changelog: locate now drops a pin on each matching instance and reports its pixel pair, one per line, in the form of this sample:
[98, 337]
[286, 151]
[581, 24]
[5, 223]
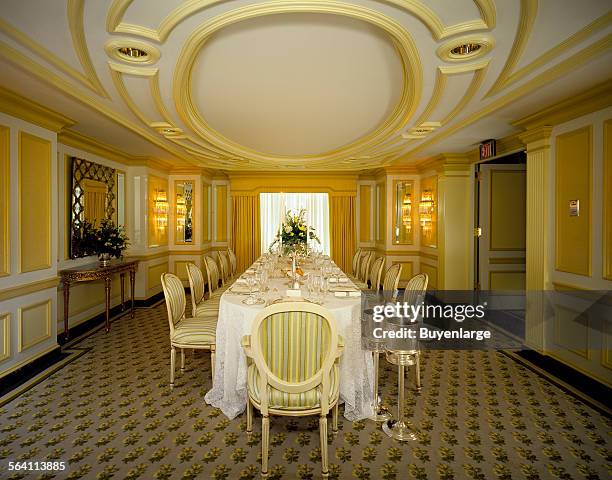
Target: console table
[94, 271]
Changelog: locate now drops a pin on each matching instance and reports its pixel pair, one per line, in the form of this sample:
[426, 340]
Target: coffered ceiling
[295, 84]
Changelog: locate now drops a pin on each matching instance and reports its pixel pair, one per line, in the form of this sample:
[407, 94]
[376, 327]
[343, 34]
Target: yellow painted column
[539, 221]
[454, 221]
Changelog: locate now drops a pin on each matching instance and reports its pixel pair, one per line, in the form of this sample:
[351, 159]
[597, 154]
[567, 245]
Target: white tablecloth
[229, 392]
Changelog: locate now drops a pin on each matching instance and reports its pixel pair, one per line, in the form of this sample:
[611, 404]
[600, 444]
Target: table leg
[122, 277]
[66, 304]
[107, 289]
[132, 285]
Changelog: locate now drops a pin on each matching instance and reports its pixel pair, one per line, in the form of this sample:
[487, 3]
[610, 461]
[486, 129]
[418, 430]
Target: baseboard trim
[577, 384]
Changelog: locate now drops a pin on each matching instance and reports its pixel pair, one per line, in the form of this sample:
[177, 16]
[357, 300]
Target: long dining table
[229, 390]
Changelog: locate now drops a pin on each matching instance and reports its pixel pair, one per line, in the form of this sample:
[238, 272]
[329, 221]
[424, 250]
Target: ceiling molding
[419, 10]
[75, 10]
[78, 140]
[507, 77]
[20, 60]
[400, 116]
[562, 68]
[15, 105]
[593, 99]
[34, 47]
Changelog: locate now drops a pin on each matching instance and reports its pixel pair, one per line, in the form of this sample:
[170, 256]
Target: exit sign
[487, 149]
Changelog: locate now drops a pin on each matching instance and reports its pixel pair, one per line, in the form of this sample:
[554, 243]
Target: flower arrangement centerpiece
[106, 241]
[294, 234]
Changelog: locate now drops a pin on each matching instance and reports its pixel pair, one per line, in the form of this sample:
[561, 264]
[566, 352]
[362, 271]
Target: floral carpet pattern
[111, 414]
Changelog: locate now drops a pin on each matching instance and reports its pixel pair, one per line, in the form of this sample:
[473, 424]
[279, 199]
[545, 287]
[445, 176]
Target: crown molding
[536, 138]
[591, 100]
[78, 140]
[14, 104]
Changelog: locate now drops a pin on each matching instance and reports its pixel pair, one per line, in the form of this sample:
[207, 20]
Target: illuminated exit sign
[487, 149]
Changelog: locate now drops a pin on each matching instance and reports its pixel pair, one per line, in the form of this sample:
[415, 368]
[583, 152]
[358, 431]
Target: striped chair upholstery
[374, 275]
[364, 268]
[391, 280]
[224, 263]
[233, 261]
[212, 272]
[199, 306]
[293, 353]
[414, 294]
[355, 264]
[194, 333]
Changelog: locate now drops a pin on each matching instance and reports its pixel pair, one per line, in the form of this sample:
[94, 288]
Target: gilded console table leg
[66, 306]
[107, 291]
[132, 286]
[122, 277]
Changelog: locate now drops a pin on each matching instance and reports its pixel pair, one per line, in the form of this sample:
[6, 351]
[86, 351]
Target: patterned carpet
[110, 414]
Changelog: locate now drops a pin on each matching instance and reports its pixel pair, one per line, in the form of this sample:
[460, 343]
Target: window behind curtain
[271, 208]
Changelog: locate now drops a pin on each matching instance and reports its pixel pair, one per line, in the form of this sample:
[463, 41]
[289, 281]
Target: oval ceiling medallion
[320, 84]
[299, 85]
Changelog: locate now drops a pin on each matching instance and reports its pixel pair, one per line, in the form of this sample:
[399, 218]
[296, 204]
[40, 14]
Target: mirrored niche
[184, 211]
[97, 193]
[403, 193]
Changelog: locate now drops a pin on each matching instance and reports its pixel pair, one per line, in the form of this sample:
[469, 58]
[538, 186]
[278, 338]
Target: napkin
[242, 289]
[336, 280]
[347, 293]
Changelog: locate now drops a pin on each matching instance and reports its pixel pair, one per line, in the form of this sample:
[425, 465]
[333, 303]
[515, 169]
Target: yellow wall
[34, 324]
[573, 182]
[430, 238]
[221, 213]
[364, 212]
[34, 202]
[157, 236]
[607, 201]
[432, 273]
[5, 170]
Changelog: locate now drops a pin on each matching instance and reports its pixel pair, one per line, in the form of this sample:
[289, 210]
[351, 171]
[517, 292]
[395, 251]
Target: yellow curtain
[246, 238]
[342, 230]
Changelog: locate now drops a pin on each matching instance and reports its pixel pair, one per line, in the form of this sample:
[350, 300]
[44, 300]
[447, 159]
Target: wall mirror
[184, 211]
[403, 201]
[96, 194]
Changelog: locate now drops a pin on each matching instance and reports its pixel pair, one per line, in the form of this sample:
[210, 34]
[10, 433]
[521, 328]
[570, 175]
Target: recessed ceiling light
[465, 49]
[132, 52]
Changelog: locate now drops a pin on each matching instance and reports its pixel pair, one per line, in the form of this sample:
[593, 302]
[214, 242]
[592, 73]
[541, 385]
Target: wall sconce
[181, 210]
[426, 209]
[407, 210]
[160, 209]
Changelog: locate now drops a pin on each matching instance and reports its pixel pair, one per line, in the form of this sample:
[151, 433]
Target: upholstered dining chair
[195, 333]
[414, 294]
[293, 353]
[364, 268]
[233, 261]
[355, 264]
[199, 306]
[391, 280]
[213, 277]
[225, 267]
[374, 276]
